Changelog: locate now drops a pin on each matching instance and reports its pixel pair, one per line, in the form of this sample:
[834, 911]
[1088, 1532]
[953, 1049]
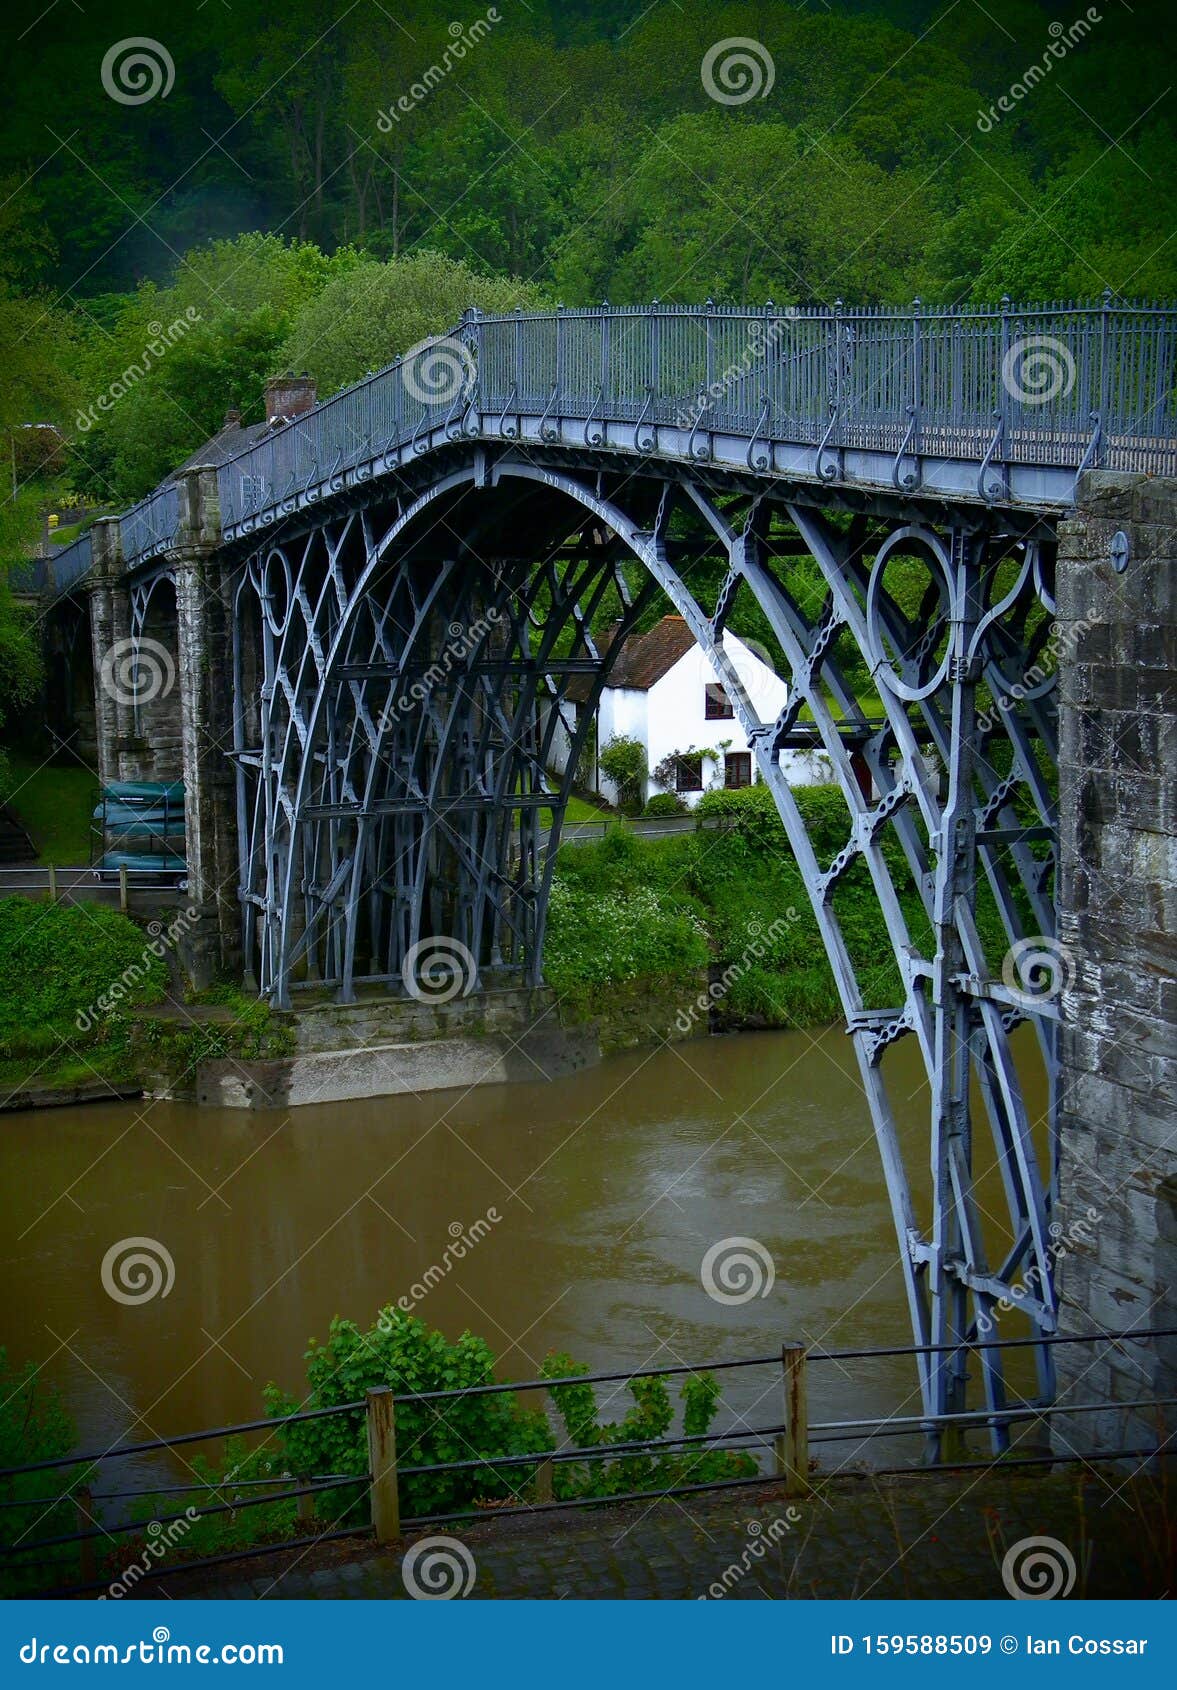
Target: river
[608, 1187]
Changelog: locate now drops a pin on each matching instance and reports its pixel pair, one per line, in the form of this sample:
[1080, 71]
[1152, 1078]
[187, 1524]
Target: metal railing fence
[788, 1437]
[1068, 384]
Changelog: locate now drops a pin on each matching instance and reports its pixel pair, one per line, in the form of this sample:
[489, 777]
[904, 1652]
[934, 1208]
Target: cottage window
[717, 706]
[737, 769]
[688, 774]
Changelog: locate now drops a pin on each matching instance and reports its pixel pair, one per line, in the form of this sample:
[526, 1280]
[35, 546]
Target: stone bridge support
[110, 629]
[205, 680]
[1117, 1224]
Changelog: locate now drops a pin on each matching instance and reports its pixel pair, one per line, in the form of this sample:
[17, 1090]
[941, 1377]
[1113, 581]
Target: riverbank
[649, 940]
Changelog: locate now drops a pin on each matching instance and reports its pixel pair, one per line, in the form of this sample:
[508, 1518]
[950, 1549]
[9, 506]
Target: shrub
[665, 804]
[623, 761]
[401, 1352]
[651, 1417]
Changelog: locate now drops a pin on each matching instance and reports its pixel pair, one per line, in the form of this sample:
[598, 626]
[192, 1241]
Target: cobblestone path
[863, 1537]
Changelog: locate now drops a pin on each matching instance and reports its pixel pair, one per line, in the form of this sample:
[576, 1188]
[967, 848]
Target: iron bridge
[421, 566]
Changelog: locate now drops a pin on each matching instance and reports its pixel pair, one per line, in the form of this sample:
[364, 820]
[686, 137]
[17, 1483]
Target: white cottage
[665, 693]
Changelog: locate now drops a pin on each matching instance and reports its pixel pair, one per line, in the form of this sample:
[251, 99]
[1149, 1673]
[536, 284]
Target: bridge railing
[1061, 385]
[50, 577]
[150, 526]
[787, 1435]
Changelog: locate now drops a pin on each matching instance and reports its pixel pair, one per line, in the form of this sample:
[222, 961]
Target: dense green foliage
[635, 908]
[58, 960]
[404, 1354]
[570, 151]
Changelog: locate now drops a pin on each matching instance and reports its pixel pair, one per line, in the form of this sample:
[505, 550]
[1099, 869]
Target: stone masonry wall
[1117, 1237]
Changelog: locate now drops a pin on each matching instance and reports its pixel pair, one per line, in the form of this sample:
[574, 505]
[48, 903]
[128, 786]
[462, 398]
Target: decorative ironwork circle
[928, 545]
[277, 590]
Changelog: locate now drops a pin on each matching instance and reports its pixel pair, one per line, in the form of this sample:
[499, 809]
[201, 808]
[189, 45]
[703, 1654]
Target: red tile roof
[644, 658]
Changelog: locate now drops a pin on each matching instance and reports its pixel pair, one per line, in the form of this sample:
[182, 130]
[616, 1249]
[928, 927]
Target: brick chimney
[288, 396]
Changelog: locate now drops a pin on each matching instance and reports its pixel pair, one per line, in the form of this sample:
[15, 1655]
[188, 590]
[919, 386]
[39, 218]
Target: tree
[372, 312]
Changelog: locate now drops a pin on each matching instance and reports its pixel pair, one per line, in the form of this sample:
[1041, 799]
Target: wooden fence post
[123, 887]
[386, 1513]
[52, 883]
[792, 1450]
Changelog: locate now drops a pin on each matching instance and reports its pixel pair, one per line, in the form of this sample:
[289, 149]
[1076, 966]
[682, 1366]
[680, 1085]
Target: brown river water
[608, 1186]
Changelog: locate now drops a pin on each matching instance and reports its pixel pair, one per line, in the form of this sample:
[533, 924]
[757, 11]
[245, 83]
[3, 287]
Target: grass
[579, 810]
[54, 801]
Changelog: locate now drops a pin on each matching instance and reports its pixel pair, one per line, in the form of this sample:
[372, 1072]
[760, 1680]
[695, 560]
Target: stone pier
[205, 680]
[1117, 1247]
